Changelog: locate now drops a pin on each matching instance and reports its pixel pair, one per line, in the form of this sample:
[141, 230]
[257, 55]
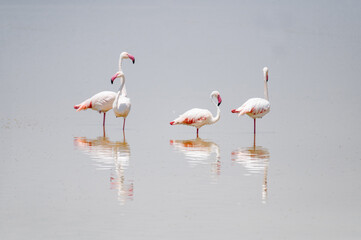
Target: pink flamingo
[199, 117]
[256, 107]
[121, 104]
[101, 102]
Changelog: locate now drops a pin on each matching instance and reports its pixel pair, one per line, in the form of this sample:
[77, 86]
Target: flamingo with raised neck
[256, 107]
[121, 104]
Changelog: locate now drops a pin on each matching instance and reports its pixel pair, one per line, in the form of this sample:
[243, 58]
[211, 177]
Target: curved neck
[265, 89]
[120, 63]
[216, 118]
[122, 88]
[122, 91]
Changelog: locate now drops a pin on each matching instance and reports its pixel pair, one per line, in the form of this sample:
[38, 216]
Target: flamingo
[256, 107]
[101, 102]
[121, 104]
[199, 117]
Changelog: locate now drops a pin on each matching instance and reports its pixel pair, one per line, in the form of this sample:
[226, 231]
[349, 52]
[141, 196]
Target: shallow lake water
[62, 176]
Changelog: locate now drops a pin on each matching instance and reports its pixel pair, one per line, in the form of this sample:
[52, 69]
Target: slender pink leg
[197, 132]
[254, 132]
[254, 128]
[104, 120]
[123, 124]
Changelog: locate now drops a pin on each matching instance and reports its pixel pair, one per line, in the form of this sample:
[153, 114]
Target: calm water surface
[63, 177]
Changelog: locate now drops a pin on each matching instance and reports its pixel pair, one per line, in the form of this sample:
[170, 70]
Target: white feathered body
[254, 107]
[121, 106]
[101, 102]
[195, 117]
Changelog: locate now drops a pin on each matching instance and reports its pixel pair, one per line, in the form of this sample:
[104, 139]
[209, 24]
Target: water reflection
[198, 151]
[255, 160]
[113, 156]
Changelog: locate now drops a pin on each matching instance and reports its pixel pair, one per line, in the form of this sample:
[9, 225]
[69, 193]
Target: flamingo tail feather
[83, 106]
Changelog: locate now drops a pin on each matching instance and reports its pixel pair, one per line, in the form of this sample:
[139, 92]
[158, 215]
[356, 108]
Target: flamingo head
[117, 75]
[265, 72]
[218, 96]
[125, 55]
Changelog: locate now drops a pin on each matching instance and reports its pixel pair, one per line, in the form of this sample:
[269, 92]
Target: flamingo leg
[254, 126]
[197, 132]
[104, 120]
[254, 132]
[123, 124]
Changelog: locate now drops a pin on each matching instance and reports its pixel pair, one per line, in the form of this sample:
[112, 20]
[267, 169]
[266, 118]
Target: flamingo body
[254, 107]
[195, 117]
[122, 106]
[101, 102]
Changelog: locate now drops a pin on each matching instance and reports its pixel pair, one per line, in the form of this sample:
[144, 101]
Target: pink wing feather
[192, 116]
[257, 107]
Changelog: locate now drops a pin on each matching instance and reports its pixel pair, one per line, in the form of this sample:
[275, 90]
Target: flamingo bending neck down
[101, 102]
[121, 104]
[256, 107]
[199, 117]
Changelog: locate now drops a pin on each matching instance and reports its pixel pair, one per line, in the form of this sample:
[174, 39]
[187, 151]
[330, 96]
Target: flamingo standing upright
[101, 102]
[256, 107]
[121, 104]
[199, 117]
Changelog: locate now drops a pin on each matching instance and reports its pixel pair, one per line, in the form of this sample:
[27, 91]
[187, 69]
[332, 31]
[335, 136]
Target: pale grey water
[61, 179]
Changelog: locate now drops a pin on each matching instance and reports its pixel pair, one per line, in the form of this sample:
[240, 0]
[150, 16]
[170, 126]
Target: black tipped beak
[132, 58]
[111, 81]
[219, 100]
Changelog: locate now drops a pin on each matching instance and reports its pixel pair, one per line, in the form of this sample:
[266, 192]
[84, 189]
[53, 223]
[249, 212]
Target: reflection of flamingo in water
[255, 160]
[198, 151]
[110, 155]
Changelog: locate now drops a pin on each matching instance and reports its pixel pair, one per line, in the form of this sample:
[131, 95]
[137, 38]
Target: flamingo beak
[219, 100]
[267, 77]
[113, 78]
[132, 58]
